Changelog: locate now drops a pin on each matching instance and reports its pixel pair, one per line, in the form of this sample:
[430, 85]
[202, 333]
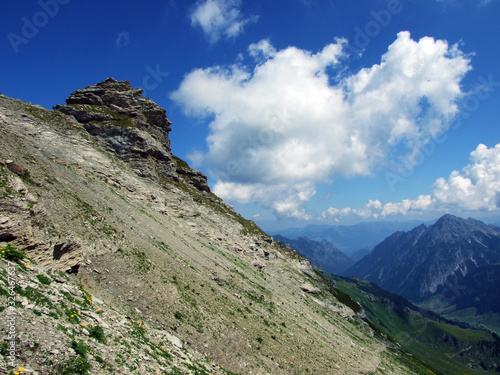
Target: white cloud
[219, 18]
[281, 122]
[292, 196]
[475, 188]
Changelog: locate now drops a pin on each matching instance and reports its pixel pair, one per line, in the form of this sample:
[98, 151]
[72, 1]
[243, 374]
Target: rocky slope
[110, 219]
[323, 255]
[424, 261]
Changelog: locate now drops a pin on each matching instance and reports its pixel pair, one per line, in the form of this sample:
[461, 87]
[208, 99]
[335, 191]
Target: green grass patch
[11, 253]
[44, 279]
[97, 333]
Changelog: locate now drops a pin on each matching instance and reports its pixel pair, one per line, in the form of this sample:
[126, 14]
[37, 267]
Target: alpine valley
[121, 260]
[450, 267]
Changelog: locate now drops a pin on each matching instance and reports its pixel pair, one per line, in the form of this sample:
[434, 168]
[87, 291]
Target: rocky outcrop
[135, 128]
[193, 177]
[25, 224]
[120, 97]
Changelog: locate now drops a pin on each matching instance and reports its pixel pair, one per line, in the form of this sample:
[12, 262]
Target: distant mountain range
[323, 255]
[354, 240]
[431, 260]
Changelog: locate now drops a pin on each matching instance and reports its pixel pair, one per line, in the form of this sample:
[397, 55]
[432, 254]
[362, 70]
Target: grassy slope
[446, 348]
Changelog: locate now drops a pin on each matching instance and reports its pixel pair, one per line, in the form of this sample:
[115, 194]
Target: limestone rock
[135, 128]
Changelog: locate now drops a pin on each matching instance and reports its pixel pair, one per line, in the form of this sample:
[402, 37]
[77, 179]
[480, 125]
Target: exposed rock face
[120, 97]
[135, 128]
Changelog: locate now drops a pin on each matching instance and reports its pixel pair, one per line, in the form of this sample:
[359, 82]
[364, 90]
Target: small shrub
[9, 252]
[73, 366]
[97, 333]
[178, 315]
[80, 348]
[78, 365]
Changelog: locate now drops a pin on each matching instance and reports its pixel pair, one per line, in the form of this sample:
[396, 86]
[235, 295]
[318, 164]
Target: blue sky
[299, 111]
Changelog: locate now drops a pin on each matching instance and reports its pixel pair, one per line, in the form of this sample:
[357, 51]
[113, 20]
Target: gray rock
[135, 128]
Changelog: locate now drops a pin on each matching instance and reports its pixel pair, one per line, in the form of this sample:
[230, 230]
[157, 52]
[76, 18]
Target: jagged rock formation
[135, 128]
[420, 263]
[106, 203]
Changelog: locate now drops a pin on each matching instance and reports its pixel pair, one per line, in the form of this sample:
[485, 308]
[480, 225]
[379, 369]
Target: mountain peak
[451, 225]
[449, 217]
[417, 263]
[134, 127]
[117, 96]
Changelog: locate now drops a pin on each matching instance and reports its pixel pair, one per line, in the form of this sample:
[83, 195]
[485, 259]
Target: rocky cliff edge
[133, 127]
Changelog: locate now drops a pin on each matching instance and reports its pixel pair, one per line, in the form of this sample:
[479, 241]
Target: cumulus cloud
[291, 119]
[219, 18]
[290, 203]
[475, 188]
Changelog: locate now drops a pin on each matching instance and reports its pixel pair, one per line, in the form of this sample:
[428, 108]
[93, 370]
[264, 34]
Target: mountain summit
[134, 128]
[423, 261]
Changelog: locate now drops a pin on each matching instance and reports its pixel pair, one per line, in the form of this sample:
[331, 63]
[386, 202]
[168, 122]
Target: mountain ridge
[323, 255]
[415, 264]
[95, 199]
[349, 238]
